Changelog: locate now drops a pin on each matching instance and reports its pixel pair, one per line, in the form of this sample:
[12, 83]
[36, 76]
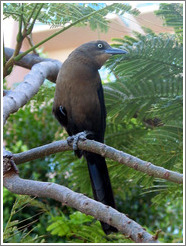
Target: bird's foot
[81, 136]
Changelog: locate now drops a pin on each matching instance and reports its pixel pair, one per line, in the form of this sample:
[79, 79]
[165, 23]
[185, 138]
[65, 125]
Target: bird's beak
[114, 51]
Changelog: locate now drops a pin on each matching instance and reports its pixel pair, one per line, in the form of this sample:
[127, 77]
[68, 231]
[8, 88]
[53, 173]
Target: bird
[79, 107]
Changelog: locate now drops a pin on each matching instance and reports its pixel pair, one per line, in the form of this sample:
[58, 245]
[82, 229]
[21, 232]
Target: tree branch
[103, 150]
[29, 87]
[29, 60]
[80, 202]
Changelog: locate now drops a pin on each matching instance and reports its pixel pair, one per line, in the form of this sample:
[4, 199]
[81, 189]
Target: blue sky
[145, 6]
[135, 4]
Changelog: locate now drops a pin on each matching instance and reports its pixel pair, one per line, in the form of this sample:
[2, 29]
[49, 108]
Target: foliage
[80, 228]
[62, 13]
[145, 106]
[172, 14]
[144, 118]
[149, 88]
[17, 230]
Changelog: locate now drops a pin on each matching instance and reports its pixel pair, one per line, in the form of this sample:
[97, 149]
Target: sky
[145, 6]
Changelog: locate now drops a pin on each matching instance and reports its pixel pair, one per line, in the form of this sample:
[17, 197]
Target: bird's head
[97, 52]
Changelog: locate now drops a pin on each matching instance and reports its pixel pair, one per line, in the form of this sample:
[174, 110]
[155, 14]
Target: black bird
[79, 106]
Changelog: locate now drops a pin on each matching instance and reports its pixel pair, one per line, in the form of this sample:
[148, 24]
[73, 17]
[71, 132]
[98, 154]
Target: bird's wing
[103, 111]
[61, 115]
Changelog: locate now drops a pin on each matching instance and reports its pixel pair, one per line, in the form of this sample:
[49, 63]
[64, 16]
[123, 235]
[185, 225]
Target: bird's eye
[100, 46]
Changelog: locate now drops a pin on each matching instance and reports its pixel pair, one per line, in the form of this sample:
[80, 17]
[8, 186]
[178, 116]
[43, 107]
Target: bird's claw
[73, 140]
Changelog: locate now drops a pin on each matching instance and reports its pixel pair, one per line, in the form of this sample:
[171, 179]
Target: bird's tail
[101, 185]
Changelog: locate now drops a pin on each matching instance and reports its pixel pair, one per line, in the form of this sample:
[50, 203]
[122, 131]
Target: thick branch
[31, 59]
[28, 88]
[80, 202]
[104, 150]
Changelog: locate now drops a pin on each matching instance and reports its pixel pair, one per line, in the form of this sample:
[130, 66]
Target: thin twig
[29, 38]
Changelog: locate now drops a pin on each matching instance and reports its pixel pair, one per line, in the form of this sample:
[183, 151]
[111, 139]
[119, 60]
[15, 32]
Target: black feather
[101, 185]
[61, 115]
